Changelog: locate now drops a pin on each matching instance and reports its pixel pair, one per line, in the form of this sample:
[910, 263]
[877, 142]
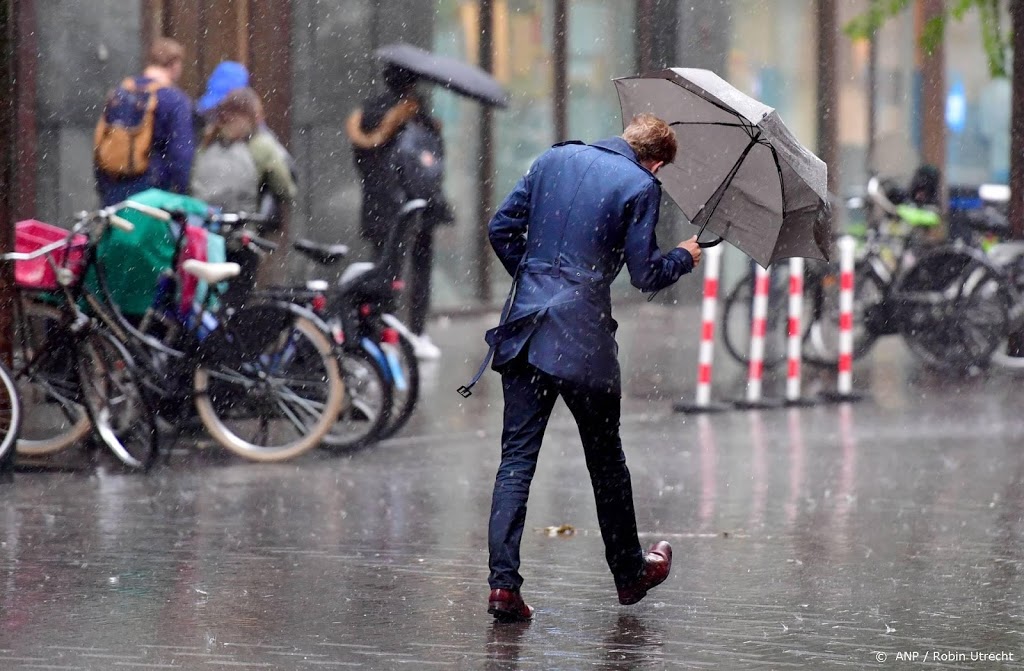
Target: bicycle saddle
[211, 273]
[325, 255]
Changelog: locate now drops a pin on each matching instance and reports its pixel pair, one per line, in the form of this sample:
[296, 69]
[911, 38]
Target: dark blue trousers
[530, 395]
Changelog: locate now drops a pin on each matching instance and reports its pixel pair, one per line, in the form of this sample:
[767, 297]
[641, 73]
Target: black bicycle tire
[208, 371]
[9, 427]
[921, 339]
[80, 427]
[143, 422]
[862, 342]
[732, 300]
[376, 427]
[401, 413]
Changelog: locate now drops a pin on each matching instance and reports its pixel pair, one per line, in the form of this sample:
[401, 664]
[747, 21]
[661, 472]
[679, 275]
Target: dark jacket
[170, 157]
[374, 131]
[567, 228]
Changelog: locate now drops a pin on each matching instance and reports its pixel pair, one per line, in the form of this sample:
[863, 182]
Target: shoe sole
[640, 597]
[506, 616]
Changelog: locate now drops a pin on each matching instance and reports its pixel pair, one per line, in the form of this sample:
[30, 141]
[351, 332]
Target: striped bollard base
[762, 404]
[840, 396]
[696, 408]
[801, 402]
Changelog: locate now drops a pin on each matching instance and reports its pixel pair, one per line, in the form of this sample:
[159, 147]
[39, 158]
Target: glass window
[522, 63]
[600, 48]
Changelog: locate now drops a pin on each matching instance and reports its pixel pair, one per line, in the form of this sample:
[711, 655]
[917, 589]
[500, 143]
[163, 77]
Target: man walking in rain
[564, 233]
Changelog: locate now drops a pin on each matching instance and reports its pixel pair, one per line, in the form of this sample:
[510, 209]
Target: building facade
[312, 62]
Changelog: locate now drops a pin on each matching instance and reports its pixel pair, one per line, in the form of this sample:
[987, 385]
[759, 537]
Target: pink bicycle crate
[36, 273]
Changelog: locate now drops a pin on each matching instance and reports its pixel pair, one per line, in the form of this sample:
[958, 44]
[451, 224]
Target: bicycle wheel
[369, 398]
[43, 370]
[10, 415]
[269, 386]
[821, 342]
[737, 316]
[405, 373]
[112, 390]
[954, 310]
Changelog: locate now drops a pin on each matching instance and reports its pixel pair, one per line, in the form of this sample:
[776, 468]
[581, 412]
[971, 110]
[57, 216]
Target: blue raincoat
[564, 233]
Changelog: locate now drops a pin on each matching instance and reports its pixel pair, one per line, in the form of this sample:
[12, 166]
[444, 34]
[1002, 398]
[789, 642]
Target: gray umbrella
[460, 77]
[739, 172]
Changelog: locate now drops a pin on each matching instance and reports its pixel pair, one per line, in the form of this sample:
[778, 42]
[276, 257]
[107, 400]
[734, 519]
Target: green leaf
[864, 25]
[996, 41]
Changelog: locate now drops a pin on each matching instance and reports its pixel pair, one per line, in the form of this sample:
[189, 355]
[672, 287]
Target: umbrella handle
[713, 243]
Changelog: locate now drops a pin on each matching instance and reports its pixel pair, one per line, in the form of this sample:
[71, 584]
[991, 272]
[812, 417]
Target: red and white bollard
[758, 331]
[844, 384]
[795, 339]
[794, 343]
[709, 307]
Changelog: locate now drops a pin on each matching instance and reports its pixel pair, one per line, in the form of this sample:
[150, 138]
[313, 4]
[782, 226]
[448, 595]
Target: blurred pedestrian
[399, 153]
[144, 137]
[563, 234]
[239, 164]
[229, 76]
[225, 78]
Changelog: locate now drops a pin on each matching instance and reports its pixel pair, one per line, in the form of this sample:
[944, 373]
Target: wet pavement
[833, 536]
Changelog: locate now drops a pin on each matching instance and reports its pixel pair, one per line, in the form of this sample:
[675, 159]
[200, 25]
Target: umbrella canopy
[450, 73]
[739, 172]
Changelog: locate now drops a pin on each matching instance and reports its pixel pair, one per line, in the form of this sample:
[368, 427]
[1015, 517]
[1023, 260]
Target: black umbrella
[450, 73]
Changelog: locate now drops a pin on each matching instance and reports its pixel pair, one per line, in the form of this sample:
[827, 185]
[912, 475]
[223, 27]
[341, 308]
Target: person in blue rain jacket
[564, 232]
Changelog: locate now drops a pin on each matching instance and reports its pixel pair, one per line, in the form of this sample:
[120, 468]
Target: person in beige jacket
[238, 163]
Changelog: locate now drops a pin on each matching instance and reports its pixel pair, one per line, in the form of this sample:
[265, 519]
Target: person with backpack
[399, 153]
[239, 166]
[144, 137]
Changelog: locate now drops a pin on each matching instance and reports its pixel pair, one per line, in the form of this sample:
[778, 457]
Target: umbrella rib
[746, 126]
[716, 197]
[706, 97]
[782, 183]
[778, 169]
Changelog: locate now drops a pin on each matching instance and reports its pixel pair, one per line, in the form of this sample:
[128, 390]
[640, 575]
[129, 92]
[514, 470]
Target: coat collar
[617, 145]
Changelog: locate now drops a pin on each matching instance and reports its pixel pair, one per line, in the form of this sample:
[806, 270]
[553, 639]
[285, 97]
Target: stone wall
[82, 54]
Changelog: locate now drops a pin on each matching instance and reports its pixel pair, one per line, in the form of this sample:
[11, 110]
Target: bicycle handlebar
[154, 212]
[123, 224]
[237, 218]
[263, 243]
[106, 214]
[34, 254]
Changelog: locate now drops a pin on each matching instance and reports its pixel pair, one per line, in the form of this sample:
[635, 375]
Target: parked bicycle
[369, 388]
[78, 379]
[947, 300]
[361, 306]
[242, 367]
[10, 415]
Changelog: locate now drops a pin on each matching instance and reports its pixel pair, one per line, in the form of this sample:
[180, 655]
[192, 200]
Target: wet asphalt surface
[833, 536]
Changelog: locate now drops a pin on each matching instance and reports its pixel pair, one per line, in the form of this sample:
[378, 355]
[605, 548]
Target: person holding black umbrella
[399, 153]
[564, 233]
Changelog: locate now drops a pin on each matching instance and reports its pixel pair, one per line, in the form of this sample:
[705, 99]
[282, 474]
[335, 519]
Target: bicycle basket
[37, 273]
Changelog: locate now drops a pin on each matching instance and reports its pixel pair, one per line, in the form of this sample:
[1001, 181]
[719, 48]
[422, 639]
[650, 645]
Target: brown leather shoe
[657, 565]
[507, 605]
